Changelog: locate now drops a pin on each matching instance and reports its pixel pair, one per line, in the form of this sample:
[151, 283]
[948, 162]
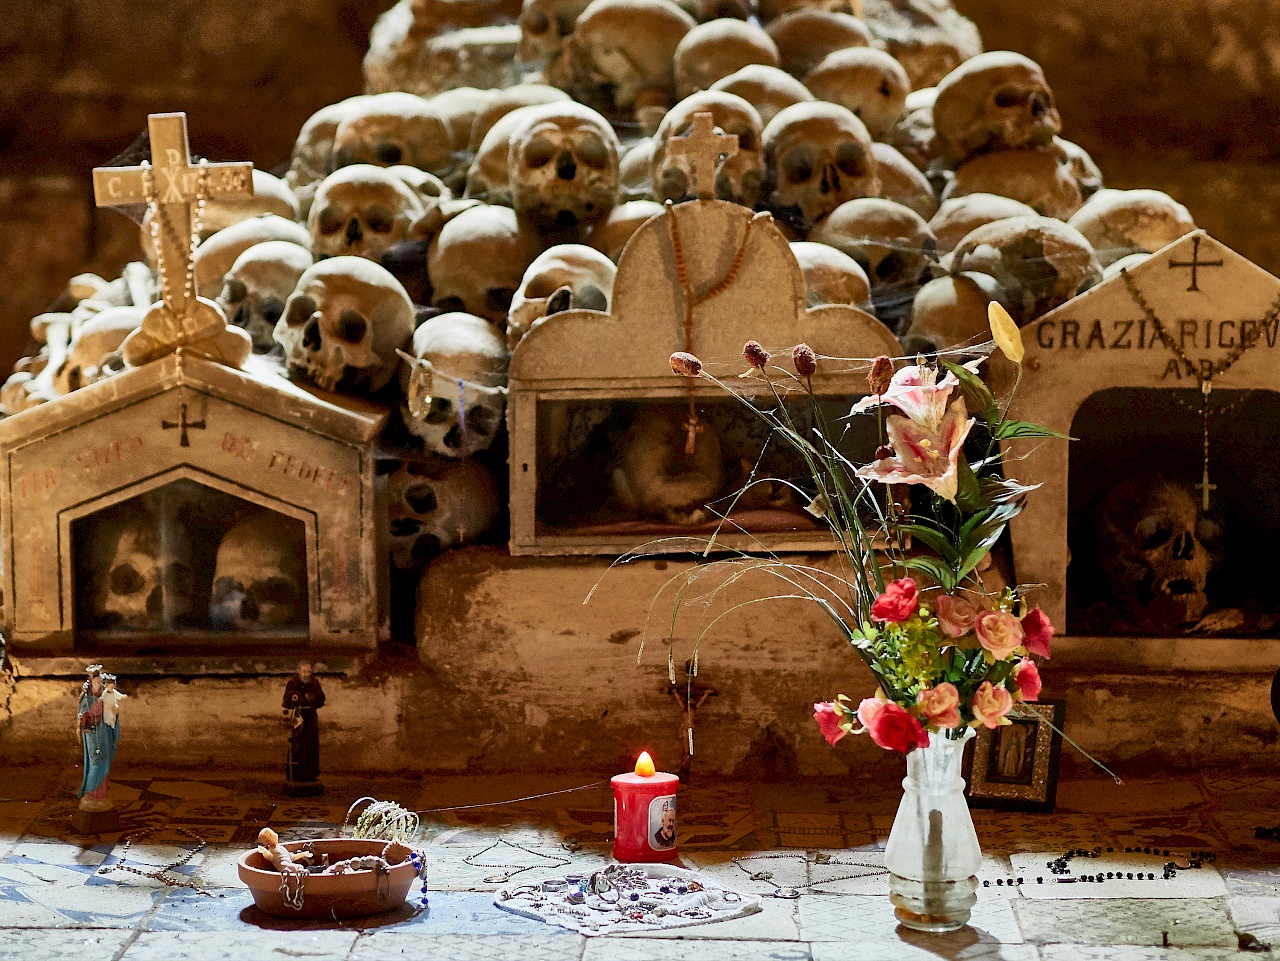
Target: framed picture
[1015, 767]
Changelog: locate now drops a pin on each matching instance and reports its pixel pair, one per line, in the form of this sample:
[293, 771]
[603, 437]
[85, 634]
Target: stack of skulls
[506, 154]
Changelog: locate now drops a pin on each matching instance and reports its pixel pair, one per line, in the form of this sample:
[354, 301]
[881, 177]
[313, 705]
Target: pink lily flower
[917, 392]
[925, 454]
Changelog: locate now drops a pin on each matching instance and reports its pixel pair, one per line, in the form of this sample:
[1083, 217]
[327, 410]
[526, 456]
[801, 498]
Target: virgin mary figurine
[98, 723]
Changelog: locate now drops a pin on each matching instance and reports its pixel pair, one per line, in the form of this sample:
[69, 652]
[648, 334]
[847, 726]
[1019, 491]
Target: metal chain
[559, 860]
[160, 873]
[791, 893]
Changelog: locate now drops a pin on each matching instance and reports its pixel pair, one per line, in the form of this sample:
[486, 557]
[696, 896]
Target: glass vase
[933, 854]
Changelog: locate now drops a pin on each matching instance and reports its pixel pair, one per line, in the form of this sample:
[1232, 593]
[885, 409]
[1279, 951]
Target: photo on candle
[662, 823]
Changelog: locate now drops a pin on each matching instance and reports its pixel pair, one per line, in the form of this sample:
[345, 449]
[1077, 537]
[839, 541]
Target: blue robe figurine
[98, 737]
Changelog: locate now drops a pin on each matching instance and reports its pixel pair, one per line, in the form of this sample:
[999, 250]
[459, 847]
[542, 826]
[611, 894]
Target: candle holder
[644, 814]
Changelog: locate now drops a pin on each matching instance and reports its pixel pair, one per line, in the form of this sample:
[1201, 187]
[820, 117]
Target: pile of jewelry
[624, 898]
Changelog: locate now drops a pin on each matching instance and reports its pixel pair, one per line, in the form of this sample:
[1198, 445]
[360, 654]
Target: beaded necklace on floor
[1060, 870]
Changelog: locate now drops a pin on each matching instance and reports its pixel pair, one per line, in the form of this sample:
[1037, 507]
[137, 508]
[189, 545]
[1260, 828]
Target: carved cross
[175, 184]
[183, 425]
[703, 149]
[1195, 263]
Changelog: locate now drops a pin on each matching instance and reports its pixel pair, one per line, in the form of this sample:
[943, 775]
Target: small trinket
[788, 894]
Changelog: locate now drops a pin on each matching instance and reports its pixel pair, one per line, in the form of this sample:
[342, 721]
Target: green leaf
[931, 539]
[968, 493]
[1013, 429]
[976, 392]
[930, 567]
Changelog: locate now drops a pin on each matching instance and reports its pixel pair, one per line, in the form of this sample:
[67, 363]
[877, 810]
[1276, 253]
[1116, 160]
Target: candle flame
[644, 765]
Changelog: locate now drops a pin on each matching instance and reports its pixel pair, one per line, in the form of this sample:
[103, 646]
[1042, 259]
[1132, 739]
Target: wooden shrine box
[175, 429]
[575, 367]
[1097, 369]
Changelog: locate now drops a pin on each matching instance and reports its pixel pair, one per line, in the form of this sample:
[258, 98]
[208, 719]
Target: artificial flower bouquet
[948, 655]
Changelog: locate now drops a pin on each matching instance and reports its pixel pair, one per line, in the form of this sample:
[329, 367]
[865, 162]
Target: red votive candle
[644, 814]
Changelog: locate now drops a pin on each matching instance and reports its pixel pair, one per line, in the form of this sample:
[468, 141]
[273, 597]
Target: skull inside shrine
[1159, 518]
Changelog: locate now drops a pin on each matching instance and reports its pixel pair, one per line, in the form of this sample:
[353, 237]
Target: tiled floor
[56, 901]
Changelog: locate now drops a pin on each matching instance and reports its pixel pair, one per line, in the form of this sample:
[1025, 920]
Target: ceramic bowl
[352, 895]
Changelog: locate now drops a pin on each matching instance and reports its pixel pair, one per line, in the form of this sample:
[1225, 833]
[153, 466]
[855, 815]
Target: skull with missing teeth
[343, 325]
[566, 277]
[455, 384]
[564, 168]
[257, 286]
[260, 580]
[818, 156]
[361, 210]
[435, 505]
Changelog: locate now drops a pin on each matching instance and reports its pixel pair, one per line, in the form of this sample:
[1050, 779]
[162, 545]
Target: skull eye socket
[421, 498]
[1009, 97]
[1153, 533]
[389, 153]
[299, 310]
[272, 308]
[331, 221]
[852, 159]
[440, 411]
[746, 137]
[74, 378]
[499, 298]
[797, 166]
[234, 291]
[380, 220]
[274, 590]
[592, 152]
[125, 579]
[535, 22]
[351, 327]
[480, 421]
[449, 304]
[539, 152]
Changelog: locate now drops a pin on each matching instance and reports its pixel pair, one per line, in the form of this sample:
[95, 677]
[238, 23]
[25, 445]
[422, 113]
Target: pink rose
[891, 727]
[999, 632]
[868, 709]
[898, 602]
[990, 704]
[956, 615]
[1037, 633]
[828, 714]
[1027, 676]
[940, 705]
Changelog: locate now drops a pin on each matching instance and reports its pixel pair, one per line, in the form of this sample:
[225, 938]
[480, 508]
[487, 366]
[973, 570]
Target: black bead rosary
[1059, 867]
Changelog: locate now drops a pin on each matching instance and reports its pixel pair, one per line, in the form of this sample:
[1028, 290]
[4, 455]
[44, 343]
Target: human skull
[564, 169]
[739, 177]
[343, 325]
[1039, 262]
[611, 236]
[386, 129]
[769, 89]
[257, 286]
[361, 210]
[148, 581]
[995, 101]
[1156, 550]
[867, 81]
[950, 313]
[1122, 222]
[502, 102]
[807, 35]
[544, 25]
[913, 135]
[892, 243]
[439, 504]
[635, 170]
[566, 277]
[489, 177]
[455, 387]
[902, 182]
[215, 256]
[831, 276]
[657, 478]
[818, 156]
[960, 216]
[621, 56]
[98, 337]
[477, 260]
[771, 10]
[1040, 178]
[1083, 170]
[428, 188]
[312, 158]
[271, 195]
[260, 576]
[715, 50]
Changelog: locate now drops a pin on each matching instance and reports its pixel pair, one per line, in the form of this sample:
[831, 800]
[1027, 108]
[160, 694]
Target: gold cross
[703, 150]
[175, 184]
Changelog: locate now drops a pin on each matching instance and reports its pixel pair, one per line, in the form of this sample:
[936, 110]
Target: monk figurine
[303, 696]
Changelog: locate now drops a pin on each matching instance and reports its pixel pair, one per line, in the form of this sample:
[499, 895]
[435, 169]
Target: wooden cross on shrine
[704, 150]
[171, 187]
[1195, 263]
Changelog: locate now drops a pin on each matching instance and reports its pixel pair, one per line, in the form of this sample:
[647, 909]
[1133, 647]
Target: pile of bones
[506, 153]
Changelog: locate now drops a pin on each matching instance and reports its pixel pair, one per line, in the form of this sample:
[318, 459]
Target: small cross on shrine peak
[703, 149]
[173, 189]
[1195, 263]
[183, 425]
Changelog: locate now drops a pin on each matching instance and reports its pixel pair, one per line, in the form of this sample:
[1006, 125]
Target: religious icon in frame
[1015, 766]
